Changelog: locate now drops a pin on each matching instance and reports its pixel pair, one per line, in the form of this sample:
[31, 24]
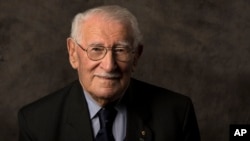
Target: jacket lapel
[137, 130]
[138, 116]
[76, 124]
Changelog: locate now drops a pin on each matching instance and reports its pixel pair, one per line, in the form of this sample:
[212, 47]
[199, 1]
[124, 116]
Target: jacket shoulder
[147, 90]
[159, 107]
[42, 117]
[158, 100]
[49, 101]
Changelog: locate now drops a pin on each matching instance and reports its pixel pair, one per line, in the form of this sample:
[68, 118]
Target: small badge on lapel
[145, 134]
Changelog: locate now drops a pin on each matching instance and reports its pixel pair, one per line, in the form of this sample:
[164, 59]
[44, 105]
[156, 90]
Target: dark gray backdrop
[199, 48]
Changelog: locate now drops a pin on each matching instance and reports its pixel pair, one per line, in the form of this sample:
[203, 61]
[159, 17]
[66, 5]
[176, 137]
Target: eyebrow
[123, 43]
[95, 44]
[119, 43]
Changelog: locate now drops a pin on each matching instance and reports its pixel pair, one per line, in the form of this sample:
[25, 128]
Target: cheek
[86, 68]
[126, 68]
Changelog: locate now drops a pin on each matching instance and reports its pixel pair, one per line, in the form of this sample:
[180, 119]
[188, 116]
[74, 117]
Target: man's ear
[73, 57]
[138, 53]
[139, 50]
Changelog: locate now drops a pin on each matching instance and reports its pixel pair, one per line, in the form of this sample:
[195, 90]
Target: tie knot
[107, 116]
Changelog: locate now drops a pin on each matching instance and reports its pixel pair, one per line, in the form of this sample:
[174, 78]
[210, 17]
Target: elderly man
[106, 104]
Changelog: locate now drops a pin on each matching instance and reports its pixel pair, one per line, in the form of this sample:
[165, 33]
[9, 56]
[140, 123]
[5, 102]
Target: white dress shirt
[120, 122]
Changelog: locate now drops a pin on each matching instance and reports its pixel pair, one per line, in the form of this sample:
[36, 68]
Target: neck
[104, 102]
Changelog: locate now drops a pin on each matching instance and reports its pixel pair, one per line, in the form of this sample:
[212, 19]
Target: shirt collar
[94, 108]
[92, 105]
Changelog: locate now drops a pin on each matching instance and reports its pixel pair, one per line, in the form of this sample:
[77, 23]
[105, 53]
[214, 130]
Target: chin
[107, 93]
[109, 83]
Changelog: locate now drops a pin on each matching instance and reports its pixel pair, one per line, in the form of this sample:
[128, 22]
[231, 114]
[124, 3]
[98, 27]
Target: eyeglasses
[95, 52]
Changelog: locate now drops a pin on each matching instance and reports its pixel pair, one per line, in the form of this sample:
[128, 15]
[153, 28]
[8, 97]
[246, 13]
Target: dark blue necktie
[106, 117]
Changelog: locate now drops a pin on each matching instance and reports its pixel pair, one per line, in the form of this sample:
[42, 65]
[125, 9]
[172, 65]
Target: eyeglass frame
[132, 51]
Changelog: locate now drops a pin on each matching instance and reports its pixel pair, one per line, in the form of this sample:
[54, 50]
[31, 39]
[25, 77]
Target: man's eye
[97, 49]
[120, 50]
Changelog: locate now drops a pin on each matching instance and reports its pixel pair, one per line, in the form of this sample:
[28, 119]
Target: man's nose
[108, 63]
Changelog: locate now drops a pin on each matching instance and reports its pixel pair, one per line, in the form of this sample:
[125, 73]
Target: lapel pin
[143, 133]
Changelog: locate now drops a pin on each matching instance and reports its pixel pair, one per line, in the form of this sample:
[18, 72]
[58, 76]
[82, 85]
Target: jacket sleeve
[24, 134]
[190, 126]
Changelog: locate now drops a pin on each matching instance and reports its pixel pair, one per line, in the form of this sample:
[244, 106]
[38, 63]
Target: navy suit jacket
[154, 114]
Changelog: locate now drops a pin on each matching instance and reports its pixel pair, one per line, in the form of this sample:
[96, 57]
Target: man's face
[97, 77]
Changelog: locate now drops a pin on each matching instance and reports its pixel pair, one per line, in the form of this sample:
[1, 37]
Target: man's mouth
[108, 75]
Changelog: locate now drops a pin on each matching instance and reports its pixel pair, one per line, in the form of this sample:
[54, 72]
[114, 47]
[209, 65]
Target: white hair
[113, 12]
